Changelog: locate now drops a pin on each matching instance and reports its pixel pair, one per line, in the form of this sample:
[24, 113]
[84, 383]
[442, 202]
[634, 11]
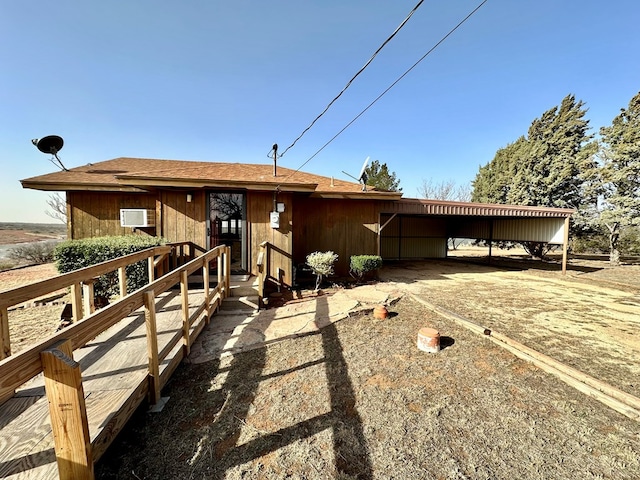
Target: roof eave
[66, 187]
[209, 183]
[359, 195]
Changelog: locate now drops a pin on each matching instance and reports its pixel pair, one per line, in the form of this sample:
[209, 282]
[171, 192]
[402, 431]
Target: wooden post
[260, 265]
[122, 281]
[88, 298]
[68, 413]
[490, 237]
[227, 271]
[76, 301]
[186, 327]
[150, 269]
[220, 272]
[205, 279]
[565, 246]
[152, 346]
[5, 344]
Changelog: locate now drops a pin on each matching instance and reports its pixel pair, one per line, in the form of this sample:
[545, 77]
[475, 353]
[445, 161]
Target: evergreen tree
[547, 168]
[378, 176]
[619, 173]
[494, 181]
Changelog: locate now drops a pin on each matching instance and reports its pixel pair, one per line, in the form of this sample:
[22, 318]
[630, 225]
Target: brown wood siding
[184, 221]
[346, 227]
[97, 214]
[259, 205]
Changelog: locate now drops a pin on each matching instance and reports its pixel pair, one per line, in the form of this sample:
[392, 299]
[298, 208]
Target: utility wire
[390, 86]
[354, 77]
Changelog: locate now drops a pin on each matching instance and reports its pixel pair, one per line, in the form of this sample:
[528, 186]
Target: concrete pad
[230, 333]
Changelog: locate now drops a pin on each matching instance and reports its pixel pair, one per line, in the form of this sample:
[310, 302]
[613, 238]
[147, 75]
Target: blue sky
[223, 81]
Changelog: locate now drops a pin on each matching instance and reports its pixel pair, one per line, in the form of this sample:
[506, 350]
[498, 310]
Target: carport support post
[490, 237]
[565, 246]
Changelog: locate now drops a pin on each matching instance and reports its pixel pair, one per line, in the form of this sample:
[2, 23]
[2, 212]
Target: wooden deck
[116, 378]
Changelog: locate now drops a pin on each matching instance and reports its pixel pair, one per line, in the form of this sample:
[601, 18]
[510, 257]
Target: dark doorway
[227, 226]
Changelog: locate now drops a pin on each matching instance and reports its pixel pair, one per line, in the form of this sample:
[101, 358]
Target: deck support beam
[88, 297]
[152, 346]
[76, 301]
[5, 340]
[186, 324]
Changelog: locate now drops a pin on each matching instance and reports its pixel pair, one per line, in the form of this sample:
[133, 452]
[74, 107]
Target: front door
[227, 226]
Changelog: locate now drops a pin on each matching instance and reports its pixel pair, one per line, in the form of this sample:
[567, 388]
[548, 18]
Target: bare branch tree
[445, 190]
[58, 207]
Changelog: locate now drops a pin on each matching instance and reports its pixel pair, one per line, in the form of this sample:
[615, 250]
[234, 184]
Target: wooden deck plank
[24, 445]
[114, 372]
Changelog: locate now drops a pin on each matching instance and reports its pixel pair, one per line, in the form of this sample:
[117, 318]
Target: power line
[354, 77]
[392, 85]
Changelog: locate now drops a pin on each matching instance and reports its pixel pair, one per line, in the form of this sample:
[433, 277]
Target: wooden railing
[267, 272]
[81, 283]
[53, 356]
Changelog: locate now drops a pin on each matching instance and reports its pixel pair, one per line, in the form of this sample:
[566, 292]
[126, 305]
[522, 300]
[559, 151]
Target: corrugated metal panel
[469, 228]
[550, 230]
[423, 226]
[423, 248]
[439, 207]
[411, 248]
[390, 248]
[391, 229]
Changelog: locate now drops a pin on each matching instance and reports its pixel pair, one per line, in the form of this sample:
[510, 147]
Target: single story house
[244, 205]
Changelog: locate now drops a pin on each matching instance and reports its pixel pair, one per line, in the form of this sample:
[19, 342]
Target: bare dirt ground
[11, 233]
[359, 400]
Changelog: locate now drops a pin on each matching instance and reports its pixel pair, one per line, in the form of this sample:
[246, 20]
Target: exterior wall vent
[137, 217]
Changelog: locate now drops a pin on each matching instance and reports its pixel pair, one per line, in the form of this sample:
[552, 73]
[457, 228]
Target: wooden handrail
[75, 280]
[41, 357]
[19, 368]
[27, 292]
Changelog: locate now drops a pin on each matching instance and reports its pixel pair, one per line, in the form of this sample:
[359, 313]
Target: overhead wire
[354, 77]
[388, 88]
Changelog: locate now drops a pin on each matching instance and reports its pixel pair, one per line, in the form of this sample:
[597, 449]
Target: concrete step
[244, 288]
[245, 303]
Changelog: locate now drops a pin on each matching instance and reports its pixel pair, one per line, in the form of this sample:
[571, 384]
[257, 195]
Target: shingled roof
[144, 174]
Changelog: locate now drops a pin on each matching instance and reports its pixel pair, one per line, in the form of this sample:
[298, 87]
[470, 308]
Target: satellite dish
[363, 174]
[362, 177]
[51, 144]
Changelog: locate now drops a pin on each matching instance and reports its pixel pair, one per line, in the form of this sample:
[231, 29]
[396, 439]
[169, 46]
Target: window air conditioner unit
[137, 217]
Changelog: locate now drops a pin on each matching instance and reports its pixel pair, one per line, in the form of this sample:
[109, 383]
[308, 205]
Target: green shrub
[322, 264]
[74, 254]
[362, 265]
[34, 252]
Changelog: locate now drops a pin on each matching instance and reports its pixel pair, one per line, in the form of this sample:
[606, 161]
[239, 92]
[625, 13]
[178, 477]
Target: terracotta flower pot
[380, 312]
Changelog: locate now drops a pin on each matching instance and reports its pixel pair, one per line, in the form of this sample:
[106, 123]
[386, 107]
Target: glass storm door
[227, 226]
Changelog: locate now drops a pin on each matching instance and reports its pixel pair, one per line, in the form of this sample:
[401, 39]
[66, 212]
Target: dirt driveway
[588, 319]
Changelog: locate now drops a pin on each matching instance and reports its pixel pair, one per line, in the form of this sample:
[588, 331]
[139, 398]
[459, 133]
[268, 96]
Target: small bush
[322, 264]
[362, 265]
[34, 253]
[74, 254]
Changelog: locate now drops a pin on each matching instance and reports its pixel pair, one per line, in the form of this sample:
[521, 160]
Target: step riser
[243, 291]
[245, 303]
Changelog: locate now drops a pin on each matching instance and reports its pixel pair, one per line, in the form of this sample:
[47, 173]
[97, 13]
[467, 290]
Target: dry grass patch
[359, 400]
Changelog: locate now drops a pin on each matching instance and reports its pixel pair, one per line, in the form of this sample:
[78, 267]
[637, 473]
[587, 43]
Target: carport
[413, 229]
